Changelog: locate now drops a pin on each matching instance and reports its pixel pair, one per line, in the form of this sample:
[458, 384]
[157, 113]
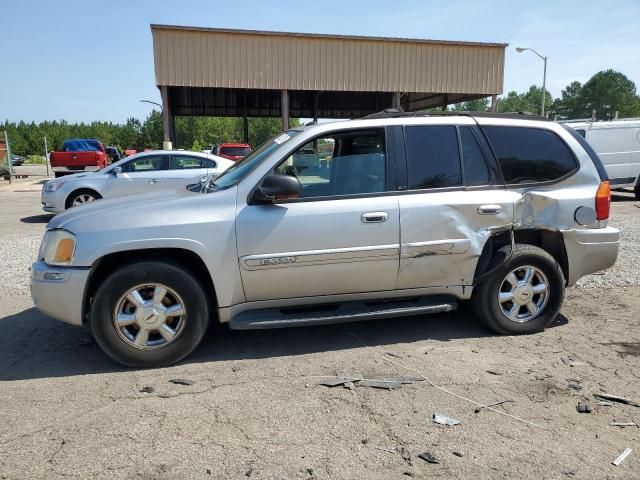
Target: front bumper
[590, 250]
[59, 291]
[52, 202]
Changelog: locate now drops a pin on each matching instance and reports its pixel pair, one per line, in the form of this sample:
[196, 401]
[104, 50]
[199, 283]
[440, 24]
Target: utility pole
[544, 75]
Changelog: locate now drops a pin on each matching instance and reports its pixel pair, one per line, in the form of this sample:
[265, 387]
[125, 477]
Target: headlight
[52, 186]
[58, 247]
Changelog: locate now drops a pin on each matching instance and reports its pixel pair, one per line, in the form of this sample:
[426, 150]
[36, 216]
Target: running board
[339, 313]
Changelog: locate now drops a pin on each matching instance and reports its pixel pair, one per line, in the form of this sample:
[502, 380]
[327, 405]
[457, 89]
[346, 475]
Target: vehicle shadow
[42, 218]
[623, 197]
[35, 346]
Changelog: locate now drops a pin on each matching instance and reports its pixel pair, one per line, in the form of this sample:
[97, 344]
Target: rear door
[186, 169]
[139, 175]
[454, 201]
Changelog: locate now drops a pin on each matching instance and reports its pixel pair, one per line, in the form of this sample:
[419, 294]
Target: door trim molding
[319, 257]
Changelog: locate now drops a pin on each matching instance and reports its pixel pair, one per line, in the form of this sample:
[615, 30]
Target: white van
[617, 143]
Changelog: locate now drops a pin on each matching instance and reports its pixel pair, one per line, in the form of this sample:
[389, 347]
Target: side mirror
[116, 171]
[277, 187]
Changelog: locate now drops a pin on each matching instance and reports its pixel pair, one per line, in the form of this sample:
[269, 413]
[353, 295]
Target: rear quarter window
[530, 155]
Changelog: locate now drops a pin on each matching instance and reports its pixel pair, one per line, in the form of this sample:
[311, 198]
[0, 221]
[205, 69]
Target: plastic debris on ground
[444, 420]
[428, 457]
[620, 458]
[354, 379]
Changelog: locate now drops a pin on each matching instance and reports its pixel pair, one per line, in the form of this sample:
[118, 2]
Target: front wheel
[80, 197]
[149, 314]
[524, 295]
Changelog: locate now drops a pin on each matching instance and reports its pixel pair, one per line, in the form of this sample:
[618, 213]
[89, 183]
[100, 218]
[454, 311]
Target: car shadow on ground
[42, 218]
[623, 196]
[35, 346]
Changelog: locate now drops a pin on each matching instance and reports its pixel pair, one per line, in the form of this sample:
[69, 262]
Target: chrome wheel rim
[82, 199]
[149, 316]
[523, 294]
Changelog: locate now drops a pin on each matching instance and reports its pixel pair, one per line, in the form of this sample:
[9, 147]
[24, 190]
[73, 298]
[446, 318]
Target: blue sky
[93, 59]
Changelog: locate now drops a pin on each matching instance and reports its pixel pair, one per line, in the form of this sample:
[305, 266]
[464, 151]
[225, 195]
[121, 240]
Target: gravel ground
[256, 410]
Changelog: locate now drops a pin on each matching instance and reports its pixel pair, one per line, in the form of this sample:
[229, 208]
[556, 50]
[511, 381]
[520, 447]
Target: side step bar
[346, 312]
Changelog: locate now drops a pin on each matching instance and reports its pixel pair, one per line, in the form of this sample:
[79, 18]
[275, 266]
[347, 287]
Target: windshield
[235, 151]
[241, 169]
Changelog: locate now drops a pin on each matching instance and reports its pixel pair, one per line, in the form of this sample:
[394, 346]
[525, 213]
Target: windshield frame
[239, 170]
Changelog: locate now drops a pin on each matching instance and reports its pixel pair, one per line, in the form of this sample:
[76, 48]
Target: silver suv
[391, 215]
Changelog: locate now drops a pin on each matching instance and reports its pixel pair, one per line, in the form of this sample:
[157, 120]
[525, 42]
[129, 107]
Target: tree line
[606, 93]
[192, 133]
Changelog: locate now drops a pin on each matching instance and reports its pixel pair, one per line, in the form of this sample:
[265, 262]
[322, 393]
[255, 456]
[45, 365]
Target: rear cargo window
[433, 157]
[530, 155]
[590, 151]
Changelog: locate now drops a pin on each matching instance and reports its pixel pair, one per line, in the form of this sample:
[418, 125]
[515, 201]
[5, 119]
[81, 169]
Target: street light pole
[154, 103]
[544, 76]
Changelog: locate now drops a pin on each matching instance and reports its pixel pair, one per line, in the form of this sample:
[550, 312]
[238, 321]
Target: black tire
[636, 190]
[79, 194]
[485, 296]
[58, 174]
[119, 283]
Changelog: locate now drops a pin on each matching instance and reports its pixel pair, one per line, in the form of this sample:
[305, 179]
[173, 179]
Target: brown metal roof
[223, 58]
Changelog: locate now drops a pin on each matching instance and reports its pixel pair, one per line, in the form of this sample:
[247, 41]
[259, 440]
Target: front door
[341, 236]
[139, 175]
[455, 201]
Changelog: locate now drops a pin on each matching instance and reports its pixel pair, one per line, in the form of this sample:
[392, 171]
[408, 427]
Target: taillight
[603, 201]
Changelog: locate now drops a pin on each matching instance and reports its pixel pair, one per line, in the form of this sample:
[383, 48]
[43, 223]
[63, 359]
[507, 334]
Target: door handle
[153, 180]
[489, 209]
[374, 217]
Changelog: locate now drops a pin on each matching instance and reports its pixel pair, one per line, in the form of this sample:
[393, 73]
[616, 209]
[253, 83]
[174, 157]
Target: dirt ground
[256, 410]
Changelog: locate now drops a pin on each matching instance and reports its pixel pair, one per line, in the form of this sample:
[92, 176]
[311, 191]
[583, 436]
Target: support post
[395, 102]
[167, 118]
[445, 98]
[245, 120]
[315, 107]
[494, 103]
[284, 109]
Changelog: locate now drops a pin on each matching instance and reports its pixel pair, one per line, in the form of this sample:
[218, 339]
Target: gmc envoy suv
[391, 215]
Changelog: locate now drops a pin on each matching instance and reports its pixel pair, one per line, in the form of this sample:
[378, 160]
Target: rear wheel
[636, 190]
[149, 314]
[524, 295]
[80, 197]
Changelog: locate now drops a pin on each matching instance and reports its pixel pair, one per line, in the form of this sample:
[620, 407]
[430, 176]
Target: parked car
[416, 214]
[78, 155]
[232, 151]
[140, 173]
[17, 160]
[618, 145]
[113, 153]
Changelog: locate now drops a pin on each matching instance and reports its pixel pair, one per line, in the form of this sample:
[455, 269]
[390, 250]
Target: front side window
[433, 157]
[341, 163]
[148, 163]
[530, 155]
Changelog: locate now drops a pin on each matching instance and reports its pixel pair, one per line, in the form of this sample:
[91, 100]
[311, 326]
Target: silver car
[399, 215]
[153, 171]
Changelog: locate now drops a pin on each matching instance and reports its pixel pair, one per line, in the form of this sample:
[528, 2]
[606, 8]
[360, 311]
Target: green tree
[525, 102]
[479, 105]
[608, 92]
[570, 104]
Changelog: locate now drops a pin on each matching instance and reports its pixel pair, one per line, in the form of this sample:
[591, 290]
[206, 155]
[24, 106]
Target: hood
[108, 210]
[73, 176]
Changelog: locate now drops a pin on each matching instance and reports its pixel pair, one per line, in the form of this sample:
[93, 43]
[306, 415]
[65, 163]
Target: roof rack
[396, 113]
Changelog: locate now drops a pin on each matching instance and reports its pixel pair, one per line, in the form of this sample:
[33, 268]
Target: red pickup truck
[78, 155]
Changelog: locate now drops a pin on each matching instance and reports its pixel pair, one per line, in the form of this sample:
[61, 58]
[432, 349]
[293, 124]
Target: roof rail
[396, 113]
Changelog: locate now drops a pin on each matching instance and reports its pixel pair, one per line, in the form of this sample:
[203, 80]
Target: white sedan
[141, 173]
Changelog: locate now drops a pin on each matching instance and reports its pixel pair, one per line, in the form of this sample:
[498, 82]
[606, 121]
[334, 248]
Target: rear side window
[433, 157]
[590, 151]
[530, 155]
[475, 167]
